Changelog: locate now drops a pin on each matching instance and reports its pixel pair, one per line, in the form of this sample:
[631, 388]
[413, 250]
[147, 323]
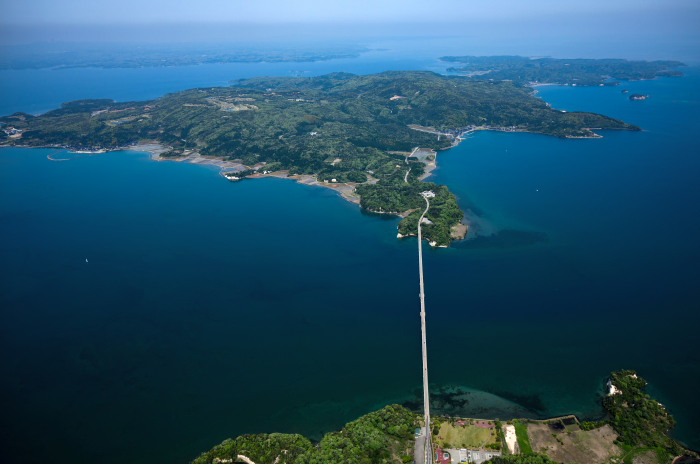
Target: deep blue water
[615, 282]
[208, 309]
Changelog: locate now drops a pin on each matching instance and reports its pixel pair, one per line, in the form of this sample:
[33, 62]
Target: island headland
[575, 72]
[373, 138]
[633, 429]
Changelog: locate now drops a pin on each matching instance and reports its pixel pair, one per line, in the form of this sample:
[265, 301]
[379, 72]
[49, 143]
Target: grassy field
[523, 438]
[468, 436]
[595, 446]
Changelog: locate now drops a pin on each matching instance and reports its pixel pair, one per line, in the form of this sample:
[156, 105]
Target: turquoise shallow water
[208, 309]
[610, 278]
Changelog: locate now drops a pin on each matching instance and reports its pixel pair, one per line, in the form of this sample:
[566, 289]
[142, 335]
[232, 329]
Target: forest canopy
[354, 129]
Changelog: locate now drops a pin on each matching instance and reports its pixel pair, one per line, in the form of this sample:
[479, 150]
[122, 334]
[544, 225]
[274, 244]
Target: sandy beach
[346, 190]
[510, 437]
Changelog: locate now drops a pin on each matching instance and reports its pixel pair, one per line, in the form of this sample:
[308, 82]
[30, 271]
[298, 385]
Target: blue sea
[151, 310]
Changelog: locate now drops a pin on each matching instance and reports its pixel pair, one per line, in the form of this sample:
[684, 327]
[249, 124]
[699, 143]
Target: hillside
[526, 70]
[635, 431]
[340, 128]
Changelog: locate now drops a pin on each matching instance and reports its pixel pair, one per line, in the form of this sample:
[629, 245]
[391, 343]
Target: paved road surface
[419, 451]
[426, 397]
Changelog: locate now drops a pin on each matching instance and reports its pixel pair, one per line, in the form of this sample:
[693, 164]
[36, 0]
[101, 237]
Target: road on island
[428, 453]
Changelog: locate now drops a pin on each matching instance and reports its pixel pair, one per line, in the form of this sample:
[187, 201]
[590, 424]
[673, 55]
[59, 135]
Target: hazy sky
[275, 11]
[587, 28]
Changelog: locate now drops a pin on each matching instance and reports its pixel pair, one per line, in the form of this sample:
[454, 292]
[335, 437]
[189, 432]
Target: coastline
[463, 133]
[471, 130]
[621, 434]
[227, 169]
[345, 190]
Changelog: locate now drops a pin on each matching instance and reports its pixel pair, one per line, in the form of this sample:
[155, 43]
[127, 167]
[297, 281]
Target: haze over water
[207, 309]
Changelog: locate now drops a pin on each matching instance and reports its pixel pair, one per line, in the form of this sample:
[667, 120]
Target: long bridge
[428, 450]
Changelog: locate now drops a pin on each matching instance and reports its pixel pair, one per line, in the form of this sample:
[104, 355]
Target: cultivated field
[468, 436]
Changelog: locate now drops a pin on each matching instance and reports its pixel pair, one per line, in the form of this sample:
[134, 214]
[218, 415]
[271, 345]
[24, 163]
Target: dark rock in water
[638, 96]
[531, 402]
[460, 401]
[505, 239]
[687, 460]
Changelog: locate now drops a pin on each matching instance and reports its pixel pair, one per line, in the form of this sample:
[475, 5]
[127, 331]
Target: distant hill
[58, 55]
[527, 70]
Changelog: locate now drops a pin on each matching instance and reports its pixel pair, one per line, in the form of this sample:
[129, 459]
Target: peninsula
[540, 70]
[634, 429]
[376, 135]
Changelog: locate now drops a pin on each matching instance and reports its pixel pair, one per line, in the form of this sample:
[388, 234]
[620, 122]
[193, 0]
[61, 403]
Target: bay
[151, 310]
[609, 275]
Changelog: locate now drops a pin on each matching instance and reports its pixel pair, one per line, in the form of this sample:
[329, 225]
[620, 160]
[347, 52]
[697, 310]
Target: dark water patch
[413, 405]
[259, 289]
[472, 209]
[532, 402]
[449, 398]
[454, 400]
[504, 239]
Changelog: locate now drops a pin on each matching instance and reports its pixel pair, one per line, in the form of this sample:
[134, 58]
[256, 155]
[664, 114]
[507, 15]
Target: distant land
[534, 70]
[374, 138]
[58, 55]
[635, 430]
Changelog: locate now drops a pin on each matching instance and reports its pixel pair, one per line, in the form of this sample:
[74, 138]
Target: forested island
[634, 430]
[530, 70]
[340, 128]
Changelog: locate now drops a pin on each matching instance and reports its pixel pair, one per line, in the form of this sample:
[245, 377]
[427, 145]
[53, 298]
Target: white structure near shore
[510, 437]
[612, 389]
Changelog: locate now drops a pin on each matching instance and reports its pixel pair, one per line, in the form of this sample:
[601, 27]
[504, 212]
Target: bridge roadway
[428, 453]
